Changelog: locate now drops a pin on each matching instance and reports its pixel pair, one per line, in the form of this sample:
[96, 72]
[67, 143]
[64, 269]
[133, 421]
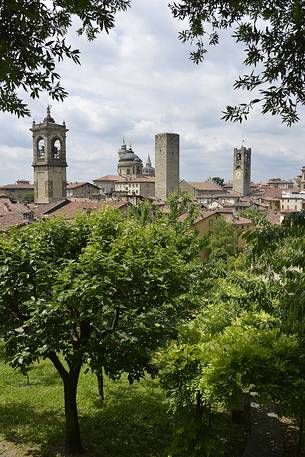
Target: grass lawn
[130, 422]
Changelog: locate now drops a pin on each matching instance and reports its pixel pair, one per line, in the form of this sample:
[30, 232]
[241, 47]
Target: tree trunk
[73, 443]
[100, 385]
[300, 443]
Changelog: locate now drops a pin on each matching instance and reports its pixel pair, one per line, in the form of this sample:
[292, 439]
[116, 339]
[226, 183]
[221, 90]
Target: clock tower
[242, 170]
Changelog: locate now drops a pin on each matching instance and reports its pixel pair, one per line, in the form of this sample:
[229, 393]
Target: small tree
[100, 291]
[218, 180]
[223, 240]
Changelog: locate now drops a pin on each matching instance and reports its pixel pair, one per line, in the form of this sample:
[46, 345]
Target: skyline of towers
[49, 163]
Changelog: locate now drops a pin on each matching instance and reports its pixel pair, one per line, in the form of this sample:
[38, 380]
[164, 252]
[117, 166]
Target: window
[56, 149]
[41, 148]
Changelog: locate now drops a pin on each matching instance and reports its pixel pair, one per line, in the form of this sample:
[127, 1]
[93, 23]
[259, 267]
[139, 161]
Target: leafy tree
[274, 38]
[33, 38]
[258, 217]
[235, 350]
[223, 239]
[100, 291]
[218, 180]
[179, 204]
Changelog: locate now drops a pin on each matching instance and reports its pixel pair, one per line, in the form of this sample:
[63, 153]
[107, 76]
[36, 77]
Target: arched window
[238, 156]
[41, 148]
[56, 149]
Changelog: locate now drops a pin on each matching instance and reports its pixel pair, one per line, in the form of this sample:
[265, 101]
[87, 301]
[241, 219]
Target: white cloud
[138, 81]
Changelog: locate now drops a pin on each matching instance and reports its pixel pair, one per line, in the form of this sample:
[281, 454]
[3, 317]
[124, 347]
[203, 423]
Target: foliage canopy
[273, 34]
[101, 291]
[33, 39]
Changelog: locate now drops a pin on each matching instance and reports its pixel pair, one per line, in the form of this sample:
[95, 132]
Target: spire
[148, 161]
[123, 144]
[48, 117]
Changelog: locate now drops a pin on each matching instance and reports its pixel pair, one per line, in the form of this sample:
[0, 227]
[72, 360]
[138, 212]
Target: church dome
[127, 155]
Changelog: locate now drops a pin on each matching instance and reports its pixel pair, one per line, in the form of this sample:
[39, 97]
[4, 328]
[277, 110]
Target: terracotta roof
[72, 208]
[74, 185]
[12, 220]
[208, 185]
[226, 209]
[135, 180]
[274, 218]
[270, 192]
[109, 178]
[204, 215]
[42, 210]
[7, 207]
[19, 185]
[237, 220]
[229, 194]
[271, 199]
[12, 214]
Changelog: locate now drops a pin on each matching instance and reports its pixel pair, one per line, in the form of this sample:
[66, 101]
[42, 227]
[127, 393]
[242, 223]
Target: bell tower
[242, 170]
[49, 160]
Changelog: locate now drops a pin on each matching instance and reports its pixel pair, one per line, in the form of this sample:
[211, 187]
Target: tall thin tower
[167, 152]
[242, 170]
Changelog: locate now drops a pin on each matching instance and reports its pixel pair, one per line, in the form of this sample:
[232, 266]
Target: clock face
[238, 174]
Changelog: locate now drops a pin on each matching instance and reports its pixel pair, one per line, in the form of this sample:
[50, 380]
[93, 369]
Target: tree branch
[58, 365]
[115, 319]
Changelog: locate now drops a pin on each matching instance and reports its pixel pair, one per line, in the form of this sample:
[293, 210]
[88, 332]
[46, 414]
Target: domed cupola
[129, 163]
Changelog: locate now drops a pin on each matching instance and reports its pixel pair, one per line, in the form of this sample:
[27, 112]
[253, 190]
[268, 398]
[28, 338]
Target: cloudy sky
[139, 81]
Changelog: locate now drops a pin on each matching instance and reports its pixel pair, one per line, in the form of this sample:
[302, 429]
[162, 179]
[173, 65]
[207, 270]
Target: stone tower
[242, 170]
[167, 164]
[49, 160]
[302, 179]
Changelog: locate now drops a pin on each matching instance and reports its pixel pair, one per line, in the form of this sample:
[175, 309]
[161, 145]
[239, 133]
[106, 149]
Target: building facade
[49, 160]
[278, 183]
[293, 201]
[83, 190]
[242, 170]
[144, 186]
[22, 191]
[167, 157]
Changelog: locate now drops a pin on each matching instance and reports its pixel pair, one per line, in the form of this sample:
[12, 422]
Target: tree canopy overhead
[274, 37]
[33, 39]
